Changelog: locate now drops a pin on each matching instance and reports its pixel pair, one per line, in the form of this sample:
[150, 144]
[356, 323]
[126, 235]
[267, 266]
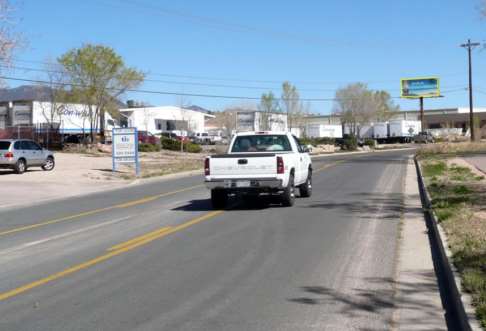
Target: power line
[261, 88]
[181, 94]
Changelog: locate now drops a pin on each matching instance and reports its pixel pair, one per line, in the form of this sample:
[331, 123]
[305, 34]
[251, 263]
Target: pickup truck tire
[219, 198]
[306, 188]
[288, 196]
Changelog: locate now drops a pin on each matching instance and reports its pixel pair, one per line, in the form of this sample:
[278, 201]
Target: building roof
[199, 109]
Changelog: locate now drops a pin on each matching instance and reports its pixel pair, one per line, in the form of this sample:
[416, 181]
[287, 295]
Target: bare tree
[268, 104]
[357, 105]
[10, 40]
[226, 120]
[295, 109]
[183, 104]
[54, 91]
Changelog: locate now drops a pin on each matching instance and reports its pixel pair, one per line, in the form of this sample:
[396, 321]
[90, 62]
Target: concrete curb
[362, 152]
[458, 303]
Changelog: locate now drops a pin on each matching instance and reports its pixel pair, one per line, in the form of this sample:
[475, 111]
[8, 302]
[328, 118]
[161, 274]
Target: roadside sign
[421, 87]
[125, 147]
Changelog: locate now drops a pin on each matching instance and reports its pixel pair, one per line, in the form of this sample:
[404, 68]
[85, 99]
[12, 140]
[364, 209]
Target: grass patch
[458, 195]
[434, 169]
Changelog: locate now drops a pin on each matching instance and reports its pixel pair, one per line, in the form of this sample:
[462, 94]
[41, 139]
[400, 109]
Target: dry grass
[451, 149]
[458, 195]
[164, 163]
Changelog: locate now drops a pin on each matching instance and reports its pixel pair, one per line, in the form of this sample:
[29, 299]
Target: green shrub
[170, 144]
[143, 147]
[317, 141]
[175, 145]
[370, 142]
[350, 143]
[192, 148]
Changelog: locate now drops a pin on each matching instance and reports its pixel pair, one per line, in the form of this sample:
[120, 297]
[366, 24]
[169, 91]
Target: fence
[47, 136]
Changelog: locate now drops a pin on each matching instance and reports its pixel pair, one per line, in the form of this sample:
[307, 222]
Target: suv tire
[20, 166]
[50, 164]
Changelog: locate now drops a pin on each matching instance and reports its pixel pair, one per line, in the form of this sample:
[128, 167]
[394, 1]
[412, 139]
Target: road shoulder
[419, 306]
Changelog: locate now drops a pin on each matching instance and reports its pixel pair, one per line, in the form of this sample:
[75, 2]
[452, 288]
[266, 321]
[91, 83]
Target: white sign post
[125, 147]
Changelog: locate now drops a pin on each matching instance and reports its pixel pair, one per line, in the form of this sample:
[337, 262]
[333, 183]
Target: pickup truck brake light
[9, 155]
[280, 165]
[207, 172]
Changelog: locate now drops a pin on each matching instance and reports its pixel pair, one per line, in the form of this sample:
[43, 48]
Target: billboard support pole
[422, 113]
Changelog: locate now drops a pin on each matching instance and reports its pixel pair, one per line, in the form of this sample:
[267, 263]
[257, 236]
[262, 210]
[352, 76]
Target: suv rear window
[4, 145]
[261, 143]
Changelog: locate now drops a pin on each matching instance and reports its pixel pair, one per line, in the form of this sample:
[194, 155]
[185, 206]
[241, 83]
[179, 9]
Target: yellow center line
[139, 238]
[124, 247]
[328, 166]
[97, 211]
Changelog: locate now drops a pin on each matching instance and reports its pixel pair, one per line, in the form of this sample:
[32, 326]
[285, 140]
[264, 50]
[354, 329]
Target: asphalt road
[156, 257]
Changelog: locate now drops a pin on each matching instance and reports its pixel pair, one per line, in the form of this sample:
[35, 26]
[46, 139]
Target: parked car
[260, 163]
[169, 135]
[202, 138]
[424, 138]
[20, 154]
[146, 137]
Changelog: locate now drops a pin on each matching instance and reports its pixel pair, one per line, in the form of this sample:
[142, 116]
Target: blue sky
[249, 47]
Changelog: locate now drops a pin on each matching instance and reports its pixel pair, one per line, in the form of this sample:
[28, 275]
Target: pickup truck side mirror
[305, 149]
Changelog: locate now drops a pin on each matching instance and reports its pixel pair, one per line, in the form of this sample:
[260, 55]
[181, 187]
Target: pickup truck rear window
[4, 145]
[261, 143]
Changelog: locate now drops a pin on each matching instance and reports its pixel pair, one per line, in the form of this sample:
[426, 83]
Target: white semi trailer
[404, 130]
[324, 131]
[380, 131]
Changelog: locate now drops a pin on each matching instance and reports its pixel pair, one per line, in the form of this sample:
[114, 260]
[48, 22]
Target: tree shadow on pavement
[380, 296]
[366, 205]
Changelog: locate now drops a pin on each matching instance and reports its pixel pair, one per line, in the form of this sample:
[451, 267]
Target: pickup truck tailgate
[250, 165]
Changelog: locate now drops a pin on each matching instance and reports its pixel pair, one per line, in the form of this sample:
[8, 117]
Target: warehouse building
[165, 118]
[433, 118]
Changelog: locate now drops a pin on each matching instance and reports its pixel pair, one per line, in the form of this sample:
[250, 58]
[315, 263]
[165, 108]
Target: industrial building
[445, 118]
[165, 118]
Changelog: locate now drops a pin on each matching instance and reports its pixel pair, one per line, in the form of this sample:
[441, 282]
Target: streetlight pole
[469, 47]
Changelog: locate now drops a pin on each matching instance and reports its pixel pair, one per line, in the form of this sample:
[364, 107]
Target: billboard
[422, 87]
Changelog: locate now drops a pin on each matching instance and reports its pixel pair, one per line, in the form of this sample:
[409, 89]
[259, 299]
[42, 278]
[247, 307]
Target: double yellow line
[111, 252]
[97, 211]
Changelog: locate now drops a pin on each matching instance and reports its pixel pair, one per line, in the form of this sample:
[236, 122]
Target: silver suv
[19, 154]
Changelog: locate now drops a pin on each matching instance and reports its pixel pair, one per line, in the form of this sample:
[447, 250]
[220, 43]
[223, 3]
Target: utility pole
[469, 47]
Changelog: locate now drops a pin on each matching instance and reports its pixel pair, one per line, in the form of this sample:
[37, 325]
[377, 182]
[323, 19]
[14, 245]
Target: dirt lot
[77, 174]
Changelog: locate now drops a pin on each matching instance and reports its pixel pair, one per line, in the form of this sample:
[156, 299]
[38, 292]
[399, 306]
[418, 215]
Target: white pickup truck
[259, 163]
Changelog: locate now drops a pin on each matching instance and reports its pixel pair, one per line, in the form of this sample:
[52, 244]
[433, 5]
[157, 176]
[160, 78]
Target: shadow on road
[366, 205]
[233, 205]
[4, 172]
[379, 296]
